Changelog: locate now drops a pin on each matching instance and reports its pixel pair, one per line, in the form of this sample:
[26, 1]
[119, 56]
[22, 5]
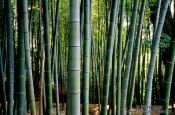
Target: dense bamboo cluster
[67, 56]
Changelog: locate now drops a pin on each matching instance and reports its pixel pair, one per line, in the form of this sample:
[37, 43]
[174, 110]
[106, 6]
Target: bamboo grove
[97, 57]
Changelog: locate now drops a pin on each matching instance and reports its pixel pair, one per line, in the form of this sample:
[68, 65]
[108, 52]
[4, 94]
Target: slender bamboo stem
[10, 59]
[119, 62]
[108, 60]
[135, 55]
[48, 78]
[128, 58]
[28, 58]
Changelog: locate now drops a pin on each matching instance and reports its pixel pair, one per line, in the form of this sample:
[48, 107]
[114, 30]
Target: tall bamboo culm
[135, 56]
[169, 74]
[86, 57]
[128, 58]
[21, 76]
[73, 100]
[148, 92]
[119, 61]
[10, 57]
[29, 75]
[108, 58]
[48, 79]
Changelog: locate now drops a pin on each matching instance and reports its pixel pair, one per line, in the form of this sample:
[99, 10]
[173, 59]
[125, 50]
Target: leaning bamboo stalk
[108, 60]
[148, 92]
[128, 58]
[135, 55]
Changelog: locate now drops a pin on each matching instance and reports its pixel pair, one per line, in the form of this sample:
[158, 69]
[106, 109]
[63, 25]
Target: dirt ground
[94, 110]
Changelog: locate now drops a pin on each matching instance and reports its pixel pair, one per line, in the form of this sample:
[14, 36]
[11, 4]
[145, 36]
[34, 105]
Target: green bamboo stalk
[135, 56]
[55, 35]
[54, 57]
[28, 57]
[108, 60]
[169, 75]
[51, 2]
[129, 58]
[119, 62]
[81, 20]
[48, 79]
[3, 47]
[113, 81]
[42, 61]
[148, 92]
[42, 79]
[10, 59]
[143, 72]
[57, 88]
[2, 85]
[73, 101]
[157, 15]
[21, 76]
[94, 54]
[87, 57]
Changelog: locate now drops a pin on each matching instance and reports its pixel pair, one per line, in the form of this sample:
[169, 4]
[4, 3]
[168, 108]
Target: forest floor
[94, 110]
